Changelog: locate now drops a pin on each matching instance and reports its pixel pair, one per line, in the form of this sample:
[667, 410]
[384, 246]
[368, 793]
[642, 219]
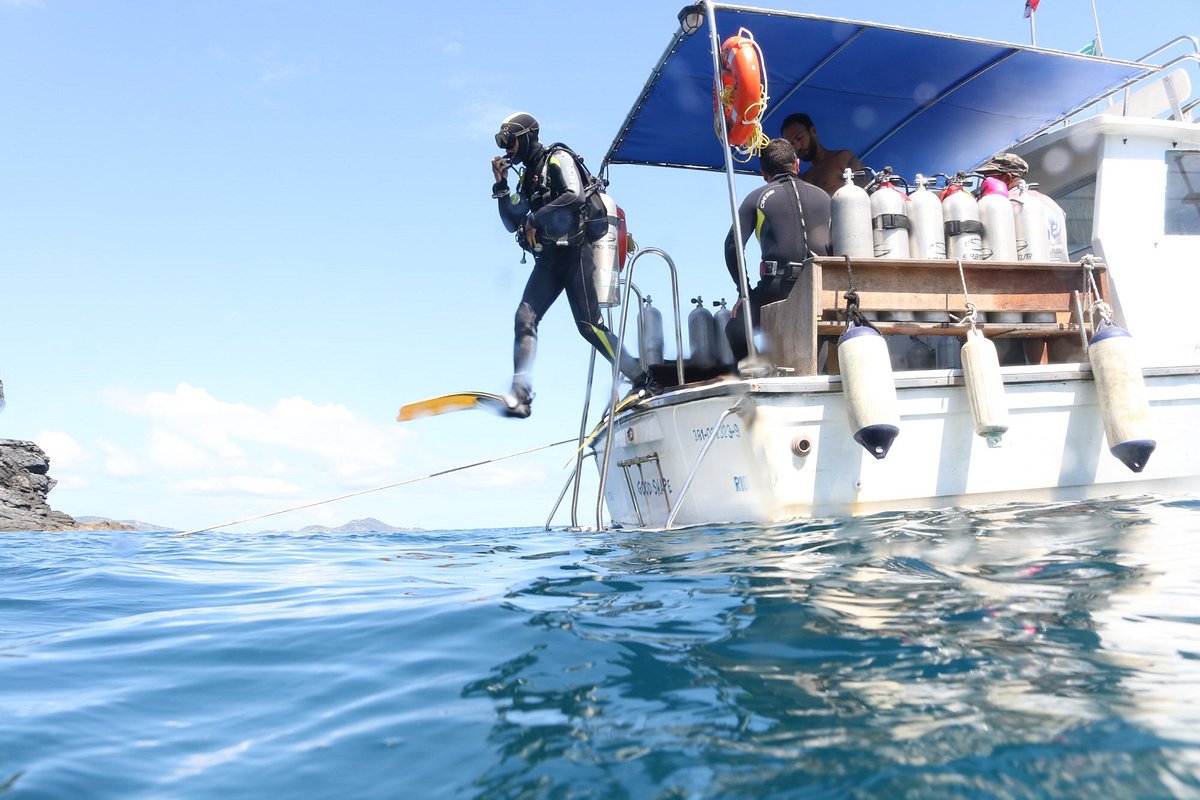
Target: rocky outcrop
[24, 483]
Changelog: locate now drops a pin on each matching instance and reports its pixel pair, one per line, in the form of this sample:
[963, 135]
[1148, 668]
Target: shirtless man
[827, 165]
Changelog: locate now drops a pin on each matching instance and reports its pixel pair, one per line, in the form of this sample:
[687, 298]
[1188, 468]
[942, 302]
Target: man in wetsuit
[791, 219]
[545, 210]
[827, 165]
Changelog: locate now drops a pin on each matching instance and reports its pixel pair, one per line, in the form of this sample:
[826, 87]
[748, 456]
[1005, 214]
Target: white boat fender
[700, 335]
[869, 388]
[926, 239]
[999, 223]
[1121, 390]
[721, 349]
[889, 217]
[850, 220]
[650, 334]
[985, 387]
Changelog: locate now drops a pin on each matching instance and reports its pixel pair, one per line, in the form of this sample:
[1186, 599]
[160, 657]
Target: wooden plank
[932, 286]
[789, 327]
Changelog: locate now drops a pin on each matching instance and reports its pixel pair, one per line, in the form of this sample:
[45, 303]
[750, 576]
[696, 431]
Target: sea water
[1009, 652]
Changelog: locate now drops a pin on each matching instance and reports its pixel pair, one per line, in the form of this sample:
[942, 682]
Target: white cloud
[62, 449]
[119, 462]
[194, 431]
[171, 451]
[239, 484]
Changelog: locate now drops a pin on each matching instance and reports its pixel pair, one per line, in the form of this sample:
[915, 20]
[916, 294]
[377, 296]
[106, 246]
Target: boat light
[691, 18]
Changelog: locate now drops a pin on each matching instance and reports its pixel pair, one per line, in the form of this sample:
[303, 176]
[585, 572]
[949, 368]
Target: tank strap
[956, 226]
[887, 222]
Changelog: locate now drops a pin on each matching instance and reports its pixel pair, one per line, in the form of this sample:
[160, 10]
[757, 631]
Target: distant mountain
[366, 525]
[105, 524]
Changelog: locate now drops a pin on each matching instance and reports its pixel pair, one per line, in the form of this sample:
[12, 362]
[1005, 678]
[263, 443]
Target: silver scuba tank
[889, 219]
[700, 335]
[963, 229]
[1041, 226]
[996, 215]
[926, 239]
[723, 353]
[650, 334]
[850, 220]
[606, 258]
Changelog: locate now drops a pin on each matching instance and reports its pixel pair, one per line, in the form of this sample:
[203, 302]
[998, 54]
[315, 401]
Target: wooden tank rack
[816, 306]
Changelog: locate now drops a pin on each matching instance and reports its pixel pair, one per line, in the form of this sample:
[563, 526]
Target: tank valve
[801, 446]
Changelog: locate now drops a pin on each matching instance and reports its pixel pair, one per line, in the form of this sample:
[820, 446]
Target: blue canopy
[912, 100]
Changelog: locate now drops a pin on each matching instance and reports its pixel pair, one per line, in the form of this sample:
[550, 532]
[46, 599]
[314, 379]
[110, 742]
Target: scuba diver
[546, 211]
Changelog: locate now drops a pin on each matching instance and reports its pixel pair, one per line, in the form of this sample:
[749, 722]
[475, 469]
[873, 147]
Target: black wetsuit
[785, 235]
[550, 198]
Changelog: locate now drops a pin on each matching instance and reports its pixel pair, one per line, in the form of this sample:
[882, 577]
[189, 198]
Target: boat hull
[786, 451]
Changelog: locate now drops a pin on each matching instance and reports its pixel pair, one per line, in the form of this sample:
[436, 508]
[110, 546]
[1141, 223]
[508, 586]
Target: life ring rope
[742, 95]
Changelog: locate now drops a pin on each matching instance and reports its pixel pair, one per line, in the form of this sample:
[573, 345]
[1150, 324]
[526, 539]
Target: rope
[377, 488]
[972, 312]
[1088, 263]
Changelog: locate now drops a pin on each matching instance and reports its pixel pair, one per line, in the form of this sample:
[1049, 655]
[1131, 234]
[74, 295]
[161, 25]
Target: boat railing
[616, 372]
[1152, 72]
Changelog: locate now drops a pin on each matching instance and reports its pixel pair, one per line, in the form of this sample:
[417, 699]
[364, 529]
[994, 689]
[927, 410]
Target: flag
[1030, 7]
[1088, 49]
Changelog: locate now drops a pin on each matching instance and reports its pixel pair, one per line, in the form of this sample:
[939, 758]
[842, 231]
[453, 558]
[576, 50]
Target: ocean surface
[1011, 652]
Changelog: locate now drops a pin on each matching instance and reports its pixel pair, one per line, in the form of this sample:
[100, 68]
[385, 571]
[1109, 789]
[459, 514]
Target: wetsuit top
[549, 196]
[771, 212]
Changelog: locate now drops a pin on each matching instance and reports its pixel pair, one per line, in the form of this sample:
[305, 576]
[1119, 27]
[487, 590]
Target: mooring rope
[459, 468]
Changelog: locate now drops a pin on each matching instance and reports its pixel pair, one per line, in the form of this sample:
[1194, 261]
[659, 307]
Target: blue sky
[235, 236]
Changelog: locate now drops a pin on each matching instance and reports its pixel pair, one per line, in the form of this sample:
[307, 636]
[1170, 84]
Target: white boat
[1116, 143]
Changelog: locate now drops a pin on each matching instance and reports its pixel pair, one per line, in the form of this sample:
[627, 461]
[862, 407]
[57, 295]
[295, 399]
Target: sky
[237, 235]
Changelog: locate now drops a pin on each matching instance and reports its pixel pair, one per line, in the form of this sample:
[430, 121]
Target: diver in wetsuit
[791, 219]
[545, 210]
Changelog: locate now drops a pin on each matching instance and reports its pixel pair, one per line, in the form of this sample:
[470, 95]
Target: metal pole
[752, 364]
[1099, 49]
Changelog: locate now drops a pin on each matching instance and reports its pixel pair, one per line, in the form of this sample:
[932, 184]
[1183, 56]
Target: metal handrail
[587, 401]
[1124, 86]
[687, 484]
[616, 370]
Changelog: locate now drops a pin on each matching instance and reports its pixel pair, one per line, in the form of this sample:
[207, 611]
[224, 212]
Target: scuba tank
[962, 226]
[996, 215]
[608, 256]
[1041, 226]
[650, 334]
[723, 353]
[700, 335]
[850, 220]
[889, 217]
[926, 239]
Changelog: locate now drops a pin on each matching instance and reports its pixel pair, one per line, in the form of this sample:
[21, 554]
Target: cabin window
[1078, 202]
[1183, 192]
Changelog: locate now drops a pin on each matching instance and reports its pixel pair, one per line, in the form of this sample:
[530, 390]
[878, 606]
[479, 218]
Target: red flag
[1030, 7]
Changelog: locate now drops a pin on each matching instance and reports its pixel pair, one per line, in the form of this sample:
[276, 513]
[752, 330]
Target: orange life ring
[741, 94]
